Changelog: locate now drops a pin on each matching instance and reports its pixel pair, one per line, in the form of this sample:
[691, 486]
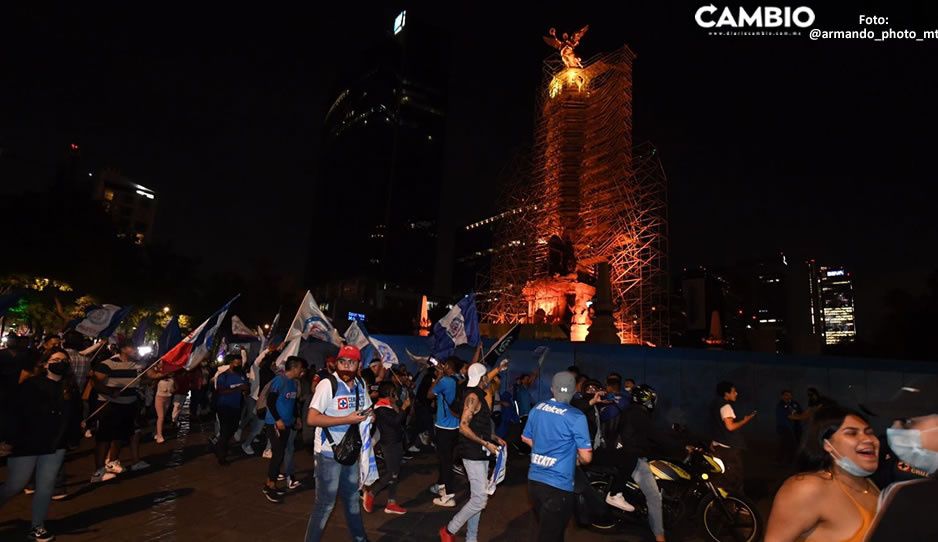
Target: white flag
[238, 328]
[356, 337]
[308, 322]
[385, 352]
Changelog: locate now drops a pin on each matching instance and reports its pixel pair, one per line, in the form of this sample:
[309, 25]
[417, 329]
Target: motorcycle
[688, 493]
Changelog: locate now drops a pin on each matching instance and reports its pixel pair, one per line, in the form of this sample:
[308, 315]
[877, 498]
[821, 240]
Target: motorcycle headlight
[720, 464]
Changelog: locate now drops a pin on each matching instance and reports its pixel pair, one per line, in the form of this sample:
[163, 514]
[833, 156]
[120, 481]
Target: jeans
[278, 447]
[553, 508]
[228, 421]
[19, 471]
[471, 512]
[334, 479]
[251, 425]
[289, 468]
[646, 481]
[445, 446]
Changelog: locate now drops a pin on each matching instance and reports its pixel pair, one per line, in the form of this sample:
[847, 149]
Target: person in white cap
[476, 444]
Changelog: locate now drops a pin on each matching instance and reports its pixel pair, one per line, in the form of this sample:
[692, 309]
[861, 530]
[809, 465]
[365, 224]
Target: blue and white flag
[459, 326]
[100, 322]
[385, 352]
[308, 322]
[197, 346]
[356, 336]
[367, 467]
[498, 473]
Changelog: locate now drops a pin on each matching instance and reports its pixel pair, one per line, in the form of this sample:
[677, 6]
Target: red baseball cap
[349, 352]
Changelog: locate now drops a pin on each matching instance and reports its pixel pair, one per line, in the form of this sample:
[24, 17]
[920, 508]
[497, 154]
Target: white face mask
[847, 464]
[907, 445]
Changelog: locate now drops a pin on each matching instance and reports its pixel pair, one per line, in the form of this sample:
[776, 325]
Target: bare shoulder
[805, 486]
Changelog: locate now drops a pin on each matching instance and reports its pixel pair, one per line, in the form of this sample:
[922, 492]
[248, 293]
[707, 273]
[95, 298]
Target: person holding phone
[728, 441]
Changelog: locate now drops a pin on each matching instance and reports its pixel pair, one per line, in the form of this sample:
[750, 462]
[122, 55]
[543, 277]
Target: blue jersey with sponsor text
[558, 431]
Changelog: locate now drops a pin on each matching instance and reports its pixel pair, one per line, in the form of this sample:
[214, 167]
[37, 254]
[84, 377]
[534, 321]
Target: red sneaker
[368, 501]
[393, 508]
[445, 536]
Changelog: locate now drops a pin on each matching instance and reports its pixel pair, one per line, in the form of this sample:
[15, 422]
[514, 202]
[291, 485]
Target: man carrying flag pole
[309, 321]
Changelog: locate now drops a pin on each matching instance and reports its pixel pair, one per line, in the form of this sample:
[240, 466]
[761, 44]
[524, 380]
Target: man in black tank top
[477, 442]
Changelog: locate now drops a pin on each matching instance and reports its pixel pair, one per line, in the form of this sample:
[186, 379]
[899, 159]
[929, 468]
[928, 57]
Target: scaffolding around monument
[587, 187]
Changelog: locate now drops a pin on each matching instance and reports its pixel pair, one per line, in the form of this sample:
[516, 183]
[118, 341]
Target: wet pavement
[185, 495]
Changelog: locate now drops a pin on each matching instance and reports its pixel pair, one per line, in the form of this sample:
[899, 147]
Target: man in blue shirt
[559, 438]
[446, 427]
[230, 388]
[281, 420]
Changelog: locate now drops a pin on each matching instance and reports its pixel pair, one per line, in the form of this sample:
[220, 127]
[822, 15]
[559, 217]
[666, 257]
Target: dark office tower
[377, 199]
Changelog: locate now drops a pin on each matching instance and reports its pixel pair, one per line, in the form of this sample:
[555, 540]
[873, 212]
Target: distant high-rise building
[377, 202]
[832, 298]
[131, 206]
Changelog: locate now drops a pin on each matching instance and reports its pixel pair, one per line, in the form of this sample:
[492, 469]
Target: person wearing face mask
[907, 507]
[48, 419]
[833, 499]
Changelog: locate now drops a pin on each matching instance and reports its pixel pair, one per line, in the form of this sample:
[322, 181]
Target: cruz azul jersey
[342, 404]
[557, 430]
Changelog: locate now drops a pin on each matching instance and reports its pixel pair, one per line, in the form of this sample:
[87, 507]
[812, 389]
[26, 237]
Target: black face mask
[60, 368]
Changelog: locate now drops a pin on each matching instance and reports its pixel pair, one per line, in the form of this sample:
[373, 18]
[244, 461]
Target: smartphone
[433, 361]
[367, 412]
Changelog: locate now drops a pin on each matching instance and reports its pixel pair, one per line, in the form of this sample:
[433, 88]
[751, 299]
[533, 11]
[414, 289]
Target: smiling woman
[833, 499]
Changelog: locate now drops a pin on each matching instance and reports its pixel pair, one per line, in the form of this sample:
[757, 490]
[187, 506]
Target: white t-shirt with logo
[343, 404]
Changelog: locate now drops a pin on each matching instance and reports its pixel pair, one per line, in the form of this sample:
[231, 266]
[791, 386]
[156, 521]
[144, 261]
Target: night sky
[822, 149]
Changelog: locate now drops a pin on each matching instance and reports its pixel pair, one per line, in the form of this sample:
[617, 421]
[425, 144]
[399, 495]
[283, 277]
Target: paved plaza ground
[186, 495]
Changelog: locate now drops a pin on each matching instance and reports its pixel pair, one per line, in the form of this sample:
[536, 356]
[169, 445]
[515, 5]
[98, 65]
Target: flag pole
[132, 382]
[378, 350]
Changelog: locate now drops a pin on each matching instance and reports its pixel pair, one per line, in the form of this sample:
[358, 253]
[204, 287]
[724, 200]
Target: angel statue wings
[566, 44]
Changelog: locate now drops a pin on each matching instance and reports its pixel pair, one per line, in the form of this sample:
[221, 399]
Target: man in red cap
[337, 407]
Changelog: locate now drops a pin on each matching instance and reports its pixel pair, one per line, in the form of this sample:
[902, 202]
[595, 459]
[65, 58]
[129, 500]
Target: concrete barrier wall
[686, 379]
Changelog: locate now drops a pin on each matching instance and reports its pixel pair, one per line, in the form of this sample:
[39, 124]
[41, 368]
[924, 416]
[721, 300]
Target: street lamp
[166, 310]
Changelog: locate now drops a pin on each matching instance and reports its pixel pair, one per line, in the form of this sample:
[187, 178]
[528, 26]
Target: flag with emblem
[356, 336]
[100, 322]
[309, 321]
[368, 467]
[459, 326]
[498, 473]
[385, 352]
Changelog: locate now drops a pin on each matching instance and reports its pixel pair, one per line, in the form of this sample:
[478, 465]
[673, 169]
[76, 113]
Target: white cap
[476, 372]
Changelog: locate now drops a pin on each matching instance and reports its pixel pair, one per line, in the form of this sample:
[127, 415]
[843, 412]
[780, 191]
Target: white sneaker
[247, 449]
[293, 484]
[446, 501]
[102, 475]
[139, 465]
[413, 449]
[424, 438]
[267, 454]
[619, 502]
[114, 467]
[237, 436]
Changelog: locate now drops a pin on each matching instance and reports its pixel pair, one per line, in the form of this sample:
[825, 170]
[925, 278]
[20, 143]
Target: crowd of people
[852, 484]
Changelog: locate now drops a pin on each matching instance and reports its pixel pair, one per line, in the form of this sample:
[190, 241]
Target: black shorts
[117, 422]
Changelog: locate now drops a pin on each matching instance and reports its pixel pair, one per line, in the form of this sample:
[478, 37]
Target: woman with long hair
[48, 418]
[832, 499]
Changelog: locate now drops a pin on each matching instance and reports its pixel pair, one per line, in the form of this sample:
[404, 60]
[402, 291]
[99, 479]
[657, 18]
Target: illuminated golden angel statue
[566, 46]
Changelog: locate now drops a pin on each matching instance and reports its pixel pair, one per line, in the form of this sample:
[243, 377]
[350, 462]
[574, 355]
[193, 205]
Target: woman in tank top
[833, 500]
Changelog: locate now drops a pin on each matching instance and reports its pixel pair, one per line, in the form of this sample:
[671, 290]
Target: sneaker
[272, 495]
[414, 449]
[88, 433]
[446, 501]
[247, 449]
[139, 465]
[267, 454]
[213, 440]
[40, 535]
[619, 502]
[237, 436]
[281, 477]
[29, 490]
[102, 475]
[114, 466]
[368, 501]
[407, 456]
[293, 484]
[393, 508]
[424, 438]
[159, 439]
[445, 535]
[458, 469]
[59, 494]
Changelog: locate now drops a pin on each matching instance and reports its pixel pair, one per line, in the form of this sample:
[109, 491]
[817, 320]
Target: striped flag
[367, 467]
[197, 345]
[498, 473]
